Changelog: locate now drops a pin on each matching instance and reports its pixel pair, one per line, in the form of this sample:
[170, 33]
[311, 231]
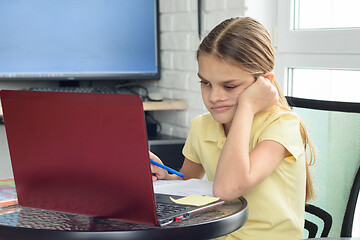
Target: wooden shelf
[165, 105]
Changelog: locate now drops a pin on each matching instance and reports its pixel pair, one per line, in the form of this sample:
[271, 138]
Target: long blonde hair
[245, 42]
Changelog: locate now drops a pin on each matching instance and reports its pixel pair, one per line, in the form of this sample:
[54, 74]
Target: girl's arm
[189, 169]
[239, 171]
[192, 170]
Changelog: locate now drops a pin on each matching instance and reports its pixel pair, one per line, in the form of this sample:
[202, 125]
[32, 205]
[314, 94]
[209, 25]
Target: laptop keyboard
[164, 209]
[83, 90]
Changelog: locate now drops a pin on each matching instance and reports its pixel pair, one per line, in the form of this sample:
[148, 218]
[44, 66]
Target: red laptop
[83, 153]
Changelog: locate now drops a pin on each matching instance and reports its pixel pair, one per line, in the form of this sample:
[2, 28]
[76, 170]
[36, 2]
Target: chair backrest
[312, 227]
[347, 227]
[334, 128]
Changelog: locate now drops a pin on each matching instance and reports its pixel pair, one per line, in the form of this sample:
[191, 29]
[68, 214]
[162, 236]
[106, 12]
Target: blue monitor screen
[78, 39]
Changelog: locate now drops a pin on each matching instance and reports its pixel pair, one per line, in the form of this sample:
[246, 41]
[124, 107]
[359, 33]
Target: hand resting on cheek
[259, 96]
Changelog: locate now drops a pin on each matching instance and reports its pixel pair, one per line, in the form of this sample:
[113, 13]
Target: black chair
[312, 227]
[346, 229]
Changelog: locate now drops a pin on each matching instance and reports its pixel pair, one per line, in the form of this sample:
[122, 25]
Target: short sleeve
[191, 143]
[285, 129]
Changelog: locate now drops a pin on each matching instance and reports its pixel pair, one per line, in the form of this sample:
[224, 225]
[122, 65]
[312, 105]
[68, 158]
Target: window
[326, 14]
[318, 39]
[326, 84]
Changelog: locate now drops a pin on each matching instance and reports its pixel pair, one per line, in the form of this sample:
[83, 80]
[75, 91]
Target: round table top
[18, 223]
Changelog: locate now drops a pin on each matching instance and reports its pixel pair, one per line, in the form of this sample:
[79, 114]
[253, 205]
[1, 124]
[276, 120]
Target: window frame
[308, 49]
[313, 40]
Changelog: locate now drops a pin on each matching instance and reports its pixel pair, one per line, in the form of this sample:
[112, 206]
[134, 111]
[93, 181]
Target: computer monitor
[79, 40]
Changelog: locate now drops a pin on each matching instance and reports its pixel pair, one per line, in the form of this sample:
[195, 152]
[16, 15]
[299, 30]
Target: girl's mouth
[221, 108]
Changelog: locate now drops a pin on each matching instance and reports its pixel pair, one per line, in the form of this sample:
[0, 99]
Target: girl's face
[221, 85]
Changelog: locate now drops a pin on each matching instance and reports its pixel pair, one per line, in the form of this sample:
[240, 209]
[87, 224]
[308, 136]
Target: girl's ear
[269, 75]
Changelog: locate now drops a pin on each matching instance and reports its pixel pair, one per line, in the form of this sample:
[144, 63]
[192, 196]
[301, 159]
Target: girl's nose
[217, 94]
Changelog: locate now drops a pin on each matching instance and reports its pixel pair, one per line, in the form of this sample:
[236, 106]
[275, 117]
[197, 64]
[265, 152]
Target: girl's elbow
[231, 191]
[226, 193]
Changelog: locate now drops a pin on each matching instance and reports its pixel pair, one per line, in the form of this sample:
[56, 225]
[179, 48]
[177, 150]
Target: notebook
[84, 153]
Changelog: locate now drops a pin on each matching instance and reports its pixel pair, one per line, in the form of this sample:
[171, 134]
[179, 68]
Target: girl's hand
[157, 172]
[261, 95]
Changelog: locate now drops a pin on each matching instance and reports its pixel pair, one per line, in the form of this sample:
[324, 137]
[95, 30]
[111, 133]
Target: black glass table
[19, 223]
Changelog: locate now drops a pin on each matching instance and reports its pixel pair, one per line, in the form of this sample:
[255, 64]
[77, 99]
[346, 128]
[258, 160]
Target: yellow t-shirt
[276, 206]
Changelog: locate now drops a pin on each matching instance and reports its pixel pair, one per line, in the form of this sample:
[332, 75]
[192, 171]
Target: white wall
[264, 11]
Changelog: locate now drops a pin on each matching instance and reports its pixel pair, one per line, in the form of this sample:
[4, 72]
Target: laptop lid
[80, 153]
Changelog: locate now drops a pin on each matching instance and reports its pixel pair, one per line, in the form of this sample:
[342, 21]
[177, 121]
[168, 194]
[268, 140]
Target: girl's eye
[230, 87]
[204, 83]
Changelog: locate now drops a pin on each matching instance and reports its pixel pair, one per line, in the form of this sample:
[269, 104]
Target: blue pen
[167, 168]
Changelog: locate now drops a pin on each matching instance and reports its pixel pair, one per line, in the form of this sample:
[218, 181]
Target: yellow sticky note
[195, 200]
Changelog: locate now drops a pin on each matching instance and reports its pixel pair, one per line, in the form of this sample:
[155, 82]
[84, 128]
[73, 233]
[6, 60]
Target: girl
[251, 143]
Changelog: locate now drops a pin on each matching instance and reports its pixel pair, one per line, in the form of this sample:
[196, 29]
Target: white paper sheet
[184, 187]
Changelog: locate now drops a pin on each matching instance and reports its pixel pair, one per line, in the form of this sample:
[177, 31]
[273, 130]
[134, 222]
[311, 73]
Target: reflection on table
[18, 223]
